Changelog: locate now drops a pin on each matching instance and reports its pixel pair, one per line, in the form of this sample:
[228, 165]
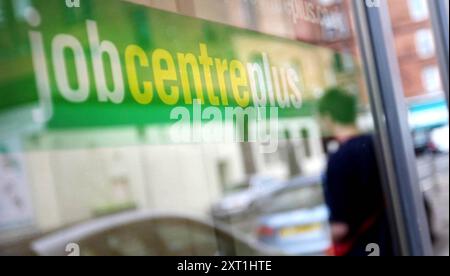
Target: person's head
[338, 109]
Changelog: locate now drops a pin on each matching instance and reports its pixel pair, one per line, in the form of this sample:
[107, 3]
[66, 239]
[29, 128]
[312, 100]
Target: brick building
[415, 47]
[413, 41]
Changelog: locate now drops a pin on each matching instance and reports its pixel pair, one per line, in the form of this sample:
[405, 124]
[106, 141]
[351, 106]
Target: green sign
[113, 63]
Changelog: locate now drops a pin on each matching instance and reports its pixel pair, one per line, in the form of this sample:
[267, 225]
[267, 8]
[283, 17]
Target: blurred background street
[434, 173]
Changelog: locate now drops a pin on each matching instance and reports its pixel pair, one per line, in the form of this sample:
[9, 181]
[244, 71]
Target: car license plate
[291, 231]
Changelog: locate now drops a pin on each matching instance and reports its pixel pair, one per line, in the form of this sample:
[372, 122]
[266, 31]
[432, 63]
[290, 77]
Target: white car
[289, 216]
[141, 233]
[440, 139]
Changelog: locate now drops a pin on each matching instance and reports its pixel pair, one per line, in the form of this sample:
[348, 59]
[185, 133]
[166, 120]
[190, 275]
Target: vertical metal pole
[406, 201]
[439, 19]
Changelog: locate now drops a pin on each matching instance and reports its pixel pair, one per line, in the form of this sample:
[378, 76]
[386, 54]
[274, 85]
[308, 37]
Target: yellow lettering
[207, 62]
[222, 67]
[183, 61]
[132, 53]
[163, 75]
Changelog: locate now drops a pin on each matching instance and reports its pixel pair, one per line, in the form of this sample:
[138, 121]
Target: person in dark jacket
[353, 191]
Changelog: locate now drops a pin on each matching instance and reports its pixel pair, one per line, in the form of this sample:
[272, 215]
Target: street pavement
[434, 175]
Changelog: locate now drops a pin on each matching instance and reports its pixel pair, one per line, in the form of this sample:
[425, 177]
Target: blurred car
[295, 219]
[19, 246]
[301, 232]
[431, 140]
[439, 139]
[426, 117]
[289, 216]
[241, 199]
[148, 234]
[421, 140]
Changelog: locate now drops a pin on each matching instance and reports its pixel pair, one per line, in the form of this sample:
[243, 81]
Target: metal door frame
[405, 200]
[439, 19]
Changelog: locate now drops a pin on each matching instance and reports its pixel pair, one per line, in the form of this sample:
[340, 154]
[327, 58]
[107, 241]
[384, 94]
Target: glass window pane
[427, 110]
[192, 127]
